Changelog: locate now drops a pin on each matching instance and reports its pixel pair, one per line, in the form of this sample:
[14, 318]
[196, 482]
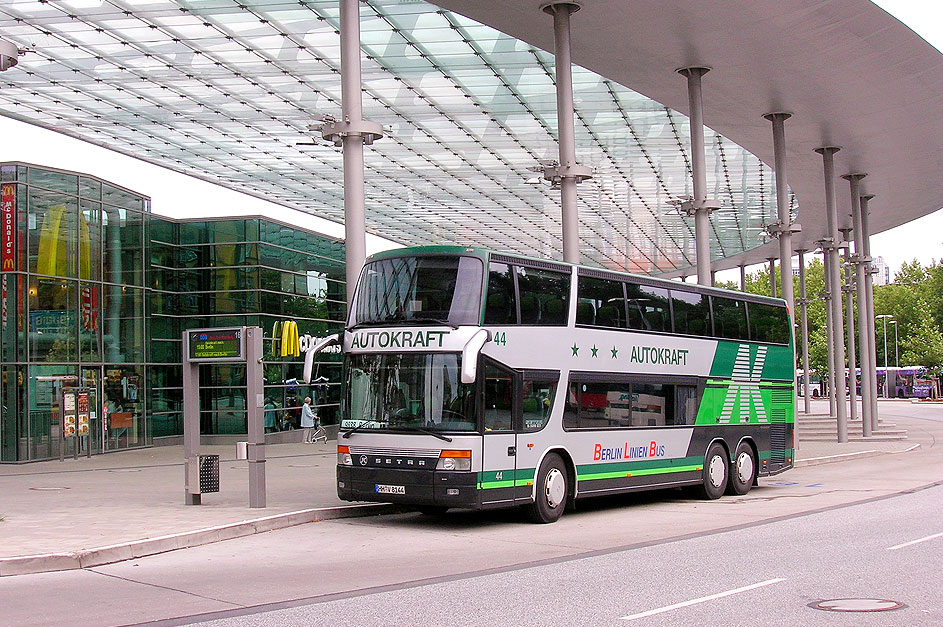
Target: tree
[923, 343]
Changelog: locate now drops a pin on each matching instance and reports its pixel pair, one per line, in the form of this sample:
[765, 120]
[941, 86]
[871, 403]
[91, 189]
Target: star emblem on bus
[575, 349]
[615, 352]
[594, 350]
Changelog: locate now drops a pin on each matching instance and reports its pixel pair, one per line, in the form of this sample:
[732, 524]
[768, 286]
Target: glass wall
[234, 272]
[96, 291]
[72, 297]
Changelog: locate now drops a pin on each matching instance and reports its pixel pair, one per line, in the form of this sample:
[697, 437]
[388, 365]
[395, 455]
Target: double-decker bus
[475, 379]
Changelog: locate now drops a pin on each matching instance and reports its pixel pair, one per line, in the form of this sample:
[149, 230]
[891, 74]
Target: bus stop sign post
[229, 345]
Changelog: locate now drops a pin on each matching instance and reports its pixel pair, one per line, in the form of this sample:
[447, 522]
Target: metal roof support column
[830, 247]
[804, 326]
[869, 292]
[784, 228]
[829, 329]
[567, 173]
[699, 206]
[865, 344]
[848, 290]
[743, 278]
[772, 276]
[352, 132]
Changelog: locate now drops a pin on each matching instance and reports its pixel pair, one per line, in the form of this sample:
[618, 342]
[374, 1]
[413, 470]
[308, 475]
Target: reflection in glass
[52, 234]
[52, 320]
[420, 289]
[408, 392]
[124, 324]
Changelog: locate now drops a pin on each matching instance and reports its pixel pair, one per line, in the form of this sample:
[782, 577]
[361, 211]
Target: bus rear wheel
[552, 491]
[742, 471]
[715, 472]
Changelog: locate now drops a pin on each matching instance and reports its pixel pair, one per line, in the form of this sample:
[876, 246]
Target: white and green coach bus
[475, 379]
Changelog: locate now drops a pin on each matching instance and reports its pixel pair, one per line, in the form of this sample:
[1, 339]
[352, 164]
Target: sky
[178, 195]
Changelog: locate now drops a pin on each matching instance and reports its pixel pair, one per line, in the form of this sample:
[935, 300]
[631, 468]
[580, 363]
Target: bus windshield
[420, 290]
[412, 391]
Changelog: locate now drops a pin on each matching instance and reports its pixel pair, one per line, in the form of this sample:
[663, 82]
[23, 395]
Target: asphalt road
[887, 549]
[816, 532]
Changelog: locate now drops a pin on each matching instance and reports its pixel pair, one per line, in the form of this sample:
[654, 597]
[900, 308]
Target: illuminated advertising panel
[7, 228]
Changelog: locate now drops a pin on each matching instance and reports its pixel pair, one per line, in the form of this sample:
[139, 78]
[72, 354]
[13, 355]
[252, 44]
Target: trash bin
[209, 473]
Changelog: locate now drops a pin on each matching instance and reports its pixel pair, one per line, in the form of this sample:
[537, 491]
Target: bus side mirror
[470, 355]
[330, 340]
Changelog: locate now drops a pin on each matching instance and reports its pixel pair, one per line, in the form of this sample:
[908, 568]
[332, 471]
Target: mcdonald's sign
[286, 342]
[8, 228]
[286, 334]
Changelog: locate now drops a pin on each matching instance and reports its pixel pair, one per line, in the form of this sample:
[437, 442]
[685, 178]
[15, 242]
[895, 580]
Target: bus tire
[742, 471]
[715, 472]
[552, 491]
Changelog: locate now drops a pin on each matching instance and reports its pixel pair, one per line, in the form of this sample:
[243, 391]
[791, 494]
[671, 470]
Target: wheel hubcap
[717, 471]
[745, 468]
[556, 488]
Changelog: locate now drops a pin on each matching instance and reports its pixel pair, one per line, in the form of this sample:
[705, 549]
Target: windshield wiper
[355, 429]
[368, 323]
[393, 322]
[433, 321]
[427, 432]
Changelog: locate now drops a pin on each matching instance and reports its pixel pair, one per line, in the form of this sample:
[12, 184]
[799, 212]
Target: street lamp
[886, 373]
[896, 352]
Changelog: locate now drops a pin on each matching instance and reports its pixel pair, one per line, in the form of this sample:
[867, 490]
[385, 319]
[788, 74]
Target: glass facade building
[95, 291]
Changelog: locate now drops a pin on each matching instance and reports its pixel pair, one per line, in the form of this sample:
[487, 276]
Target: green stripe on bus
[589, 472]
[637, 473]
[509, 478]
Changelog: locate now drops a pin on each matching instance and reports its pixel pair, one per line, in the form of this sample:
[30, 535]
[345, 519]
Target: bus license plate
[391, 489]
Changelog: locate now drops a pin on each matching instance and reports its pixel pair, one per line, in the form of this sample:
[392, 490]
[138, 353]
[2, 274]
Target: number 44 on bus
[475, 379]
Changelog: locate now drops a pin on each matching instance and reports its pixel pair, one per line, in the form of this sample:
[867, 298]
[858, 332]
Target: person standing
[307, 420]
[270, 409]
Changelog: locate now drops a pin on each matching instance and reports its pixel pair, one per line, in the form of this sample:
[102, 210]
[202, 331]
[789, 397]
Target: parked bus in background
[476, 379]
[904, 382]
[816, 388]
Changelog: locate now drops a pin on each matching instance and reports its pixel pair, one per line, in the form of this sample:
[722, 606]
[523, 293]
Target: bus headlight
[343, 456]
[454, 460]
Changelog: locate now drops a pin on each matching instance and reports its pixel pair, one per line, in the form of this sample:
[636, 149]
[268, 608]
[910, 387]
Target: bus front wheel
[715, 472]
[552, 491]
[742, 471]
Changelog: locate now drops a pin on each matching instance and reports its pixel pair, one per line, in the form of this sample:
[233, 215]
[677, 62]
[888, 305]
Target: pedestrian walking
[308, 420]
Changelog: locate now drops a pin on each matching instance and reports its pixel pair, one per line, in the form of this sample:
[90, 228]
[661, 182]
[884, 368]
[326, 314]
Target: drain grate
[49, 488]
[857, 605]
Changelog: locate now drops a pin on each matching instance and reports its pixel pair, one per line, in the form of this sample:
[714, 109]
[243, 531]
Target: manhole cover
[857, 605]
[49, 488]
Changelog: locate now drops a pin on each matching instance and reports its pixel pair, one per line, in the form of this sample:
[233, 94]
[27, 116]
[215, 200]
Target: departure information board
[216, 345]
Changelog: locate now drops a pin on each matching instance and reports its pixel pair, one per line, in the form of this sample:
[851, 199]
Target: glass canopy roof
[228, 89]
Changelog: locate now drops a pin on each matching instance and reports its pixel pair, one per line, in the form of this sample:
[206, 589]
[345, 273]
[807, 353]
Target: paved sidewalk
[79, 513]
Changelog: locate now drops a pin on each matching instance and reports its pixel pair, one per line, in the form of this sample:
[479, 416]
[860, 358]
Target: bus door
[499, 444]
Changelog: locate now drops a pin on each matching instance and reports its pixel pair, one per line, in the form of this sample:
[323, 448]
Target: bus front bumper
[410, 487]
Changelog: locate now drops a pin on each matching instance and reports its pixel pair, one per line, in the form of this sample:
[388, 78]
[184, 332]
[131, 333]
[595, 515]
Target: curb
[51, 562]
[844, 457]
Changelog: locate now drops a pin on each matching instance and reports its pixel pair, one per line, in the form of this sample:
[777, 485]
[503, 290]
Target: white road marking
[912, 542]
[719, 595]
